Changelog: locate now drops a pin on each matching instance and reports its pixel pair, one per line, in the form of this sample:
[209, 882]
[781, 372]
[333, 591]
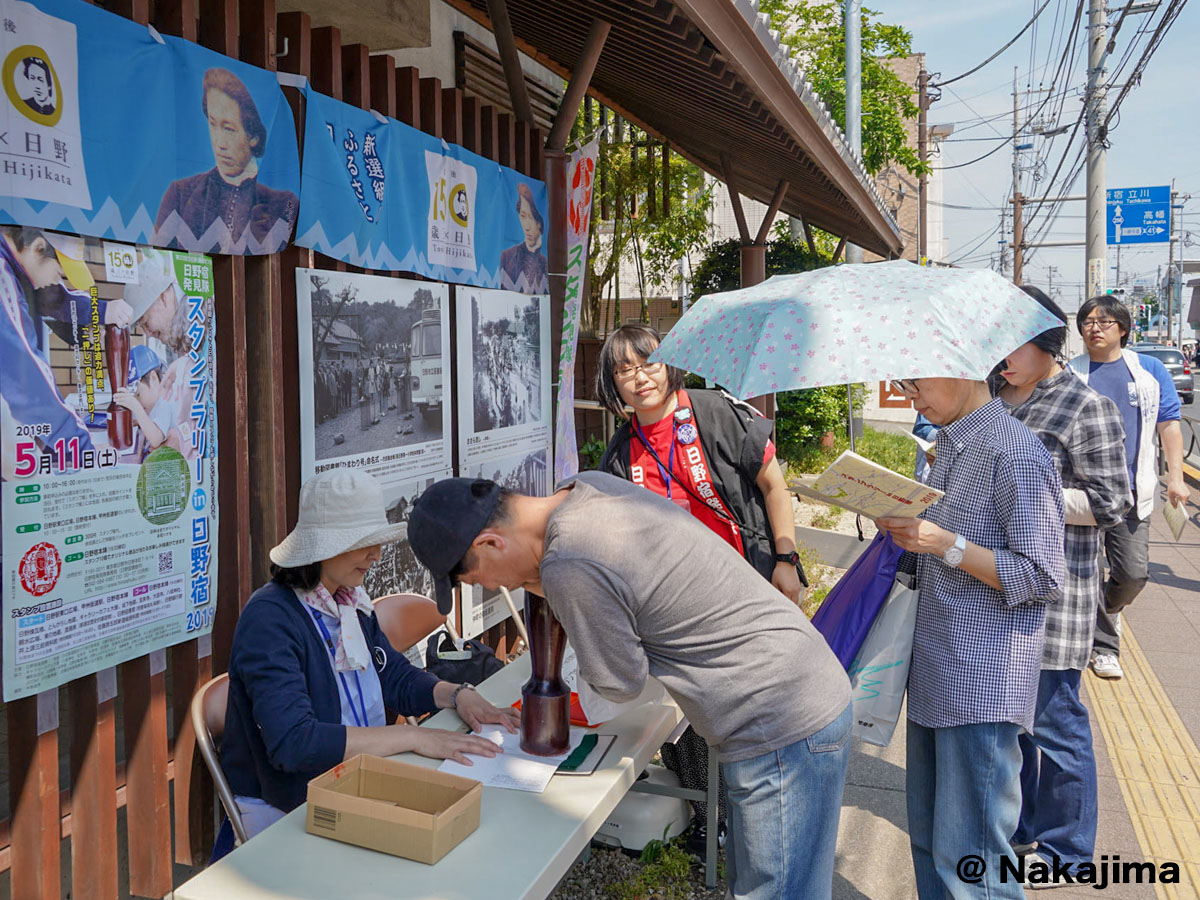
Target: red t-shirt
[687, 466]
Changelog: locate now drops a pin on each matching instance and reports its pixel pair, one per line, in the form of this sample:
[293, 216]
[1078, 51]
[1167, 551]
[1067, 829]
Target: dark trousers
[1127, 548]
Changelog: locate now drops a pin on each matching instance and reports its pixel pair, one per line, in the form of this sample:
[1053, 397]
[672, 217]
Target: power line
[998, 52]
[1003, 143]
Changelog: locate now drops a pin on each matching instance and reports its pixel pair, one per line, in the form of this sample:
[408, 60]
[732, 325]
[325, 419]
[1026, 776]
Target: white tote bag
[879, 674]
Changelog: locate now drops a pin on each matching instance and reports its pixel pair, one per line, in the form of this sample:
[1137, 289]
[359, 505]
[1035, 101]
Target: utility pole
[923, 157]
[1096, 100]
[854, 94]
[1170, 261]
[1016, 188]
[1018, 247]
[1050, 270]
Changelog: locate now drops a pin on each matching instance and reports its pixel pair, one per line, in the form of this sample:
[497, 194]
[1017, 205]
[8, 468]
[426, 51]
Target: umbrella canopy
[850, 323]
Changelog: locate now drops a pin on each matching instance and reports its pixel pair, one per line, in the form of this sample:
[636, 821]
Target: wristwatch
[954, 554]
[793, 558]
[465, 686]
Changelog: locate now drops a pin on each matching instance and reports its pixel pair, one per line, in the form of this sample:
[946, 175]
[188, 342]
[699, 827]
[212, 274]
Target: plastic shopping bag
[852, 605]
[879, 674]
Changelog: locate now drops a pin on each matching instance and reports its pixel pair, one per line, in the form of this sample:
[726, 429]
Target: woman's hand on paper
[917, 535]
[476, 711]
[437, 743]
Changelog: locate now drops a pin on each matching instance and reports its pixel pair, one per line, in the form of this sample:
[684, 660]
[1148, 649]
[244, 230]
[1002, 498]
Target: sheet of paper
[861, 486]
[514, 768]
[1175, 517]
[925, 445]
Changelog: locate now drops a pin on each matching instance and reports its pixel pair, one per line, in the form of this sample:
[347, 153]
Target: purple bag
[852, 605]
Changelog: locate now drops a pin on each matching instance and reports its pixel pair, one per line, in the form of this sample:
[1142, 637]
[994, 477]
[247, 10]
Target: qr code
[166, 562]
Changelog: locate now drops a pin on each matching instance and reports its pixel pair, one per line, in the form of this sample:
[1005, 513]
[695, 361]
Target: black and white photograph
[527, 473]
[377, 350]
[503, 342]
[398, 571]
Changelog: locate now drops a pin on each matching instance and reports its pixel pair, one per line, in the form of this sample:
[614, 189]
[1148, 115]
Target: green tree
[643, 215]
[816, 33]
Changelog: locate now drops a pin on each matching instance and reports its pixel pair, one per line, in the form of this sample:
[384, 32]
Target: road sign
[1139, 215]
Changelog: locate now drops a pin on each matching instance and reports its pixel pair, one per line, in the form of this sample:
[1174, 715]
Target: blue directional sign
[1139, 215]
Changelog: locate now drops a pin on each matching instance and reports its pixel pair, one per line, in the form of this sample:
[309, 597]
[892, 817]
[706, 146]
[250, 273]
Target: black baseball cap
[443, 523]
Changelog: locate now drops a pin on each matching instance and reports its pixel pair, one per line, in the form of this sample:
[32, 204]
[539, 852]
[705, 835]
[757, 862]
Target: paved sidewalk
[1146, 728]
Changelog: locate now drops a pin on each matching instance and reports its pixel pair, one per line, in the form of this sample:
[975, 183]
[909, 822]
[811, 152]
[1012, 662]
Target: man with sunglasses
[1144, 393]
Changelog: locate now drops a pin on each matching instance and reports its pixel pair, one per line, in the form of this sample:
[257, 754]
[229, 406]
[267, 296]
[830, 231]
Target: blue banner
[379, 194]
[111, 130]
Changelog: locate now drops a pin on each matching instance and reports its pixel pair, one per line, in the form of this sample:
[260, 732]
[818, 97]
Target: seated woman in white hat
[311, 672]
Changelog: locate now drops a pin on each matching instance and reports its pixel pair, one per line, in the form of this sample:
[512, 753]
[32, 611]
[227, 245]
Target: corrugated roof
[713, 79]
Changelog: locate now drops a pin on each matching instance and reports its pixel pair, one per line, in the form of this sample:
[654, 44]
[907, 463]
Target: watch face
[953, 556]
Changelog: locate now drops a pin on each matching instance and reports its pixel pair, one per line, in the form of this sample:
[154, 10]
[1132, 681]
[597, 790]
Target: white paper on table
[1175, 517]
[514, 768]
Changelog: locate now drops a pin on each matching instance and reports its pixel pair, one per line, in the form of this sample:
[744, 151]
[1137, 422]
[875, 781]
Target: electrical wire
[998, 52]
[1003, 143]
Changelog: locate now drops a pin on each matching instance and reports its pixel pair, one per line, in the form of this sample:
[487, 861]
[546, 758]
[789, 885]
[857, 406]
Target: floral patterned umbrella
[851, 323]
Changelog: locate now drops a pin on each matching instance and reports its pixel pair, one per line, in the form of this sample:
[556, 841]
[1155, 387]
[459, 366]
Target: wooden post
[93, 787]
[33, 798]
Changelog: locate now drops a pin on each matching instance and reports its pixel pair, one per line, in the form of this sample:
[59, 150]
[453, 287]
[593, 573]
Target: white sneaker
[1107, 665]
[1024, 849]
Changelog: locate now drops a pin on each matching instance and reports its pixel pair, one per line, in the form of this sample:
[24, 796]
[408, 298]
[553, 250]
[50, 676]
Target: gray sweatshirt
[642, 587]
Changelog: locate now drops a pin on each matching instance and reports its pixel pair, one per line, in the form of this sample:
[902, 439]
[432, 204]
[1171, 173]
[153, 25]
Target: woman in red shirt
[712, 455]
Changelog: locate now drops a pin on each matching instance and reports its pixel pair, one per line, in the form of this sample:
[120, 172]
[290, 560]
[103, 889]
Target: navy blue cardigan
[283, 725]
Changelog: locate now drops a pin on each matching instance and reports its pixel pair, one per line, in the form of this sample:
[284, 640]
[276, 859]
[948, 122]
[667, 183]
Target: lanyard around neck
[363, 722]
[670, 467]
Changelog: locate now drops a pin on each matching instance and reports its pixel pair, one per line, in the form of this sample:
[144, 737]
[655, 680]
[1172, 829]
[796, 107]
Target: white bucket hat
[340, 510]
[156, 273]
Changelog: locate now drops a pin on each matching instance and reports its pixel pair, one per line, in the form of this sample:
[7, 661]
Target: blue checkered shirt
[977, 651]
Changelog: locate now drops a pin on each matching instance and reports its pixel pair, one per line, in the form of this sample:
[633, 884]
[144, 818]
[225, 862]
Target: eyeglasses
[1101, 324]
[905, 386]
[628, 373]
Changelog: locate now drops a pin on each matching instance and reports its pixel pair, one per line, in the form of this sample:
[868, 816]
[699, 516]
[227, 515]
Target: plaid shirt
[1085, 436]
[977, 651]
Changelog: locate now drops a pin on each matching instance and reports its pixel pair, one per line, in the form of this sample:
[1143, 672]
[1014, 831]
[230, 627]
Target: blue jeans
[1058, 797]
[964, 799]
[783, 810]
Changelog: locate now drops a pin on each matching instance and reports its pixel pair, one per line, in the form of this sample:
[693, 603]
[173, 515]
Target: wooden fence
[258, 414]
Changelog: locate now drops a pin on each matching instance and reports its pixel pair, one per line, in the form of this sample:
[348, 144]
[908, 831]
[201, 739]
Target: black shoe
[696, 842]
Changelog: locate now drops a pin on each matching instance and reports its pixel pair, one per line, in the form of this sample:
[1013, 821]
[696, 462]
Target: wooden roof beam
[581, 77]
[509, 58]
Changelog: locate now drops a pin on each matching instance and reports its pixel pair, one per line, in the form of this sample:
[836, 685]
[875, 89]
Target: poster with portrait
[454, 215]
[526, 473]
[503, 344]
[116, 131]
[108, 454]
[374, 374]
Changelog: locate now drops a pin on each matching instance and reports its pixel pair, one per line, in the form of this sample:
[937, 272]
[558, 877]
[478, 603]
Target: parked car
[1177, 365]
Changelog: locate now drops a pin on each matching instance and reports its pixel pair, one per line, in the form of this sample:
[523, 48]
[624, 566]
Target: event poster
[374, 374]
[503, 341]
[109, 454]
[115, 131]
[525, 473]
[380, 194]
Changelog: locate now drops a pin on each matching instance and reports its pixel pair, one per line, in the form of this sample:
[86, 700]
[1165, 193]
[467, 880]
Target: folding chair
[407, 619]
[208, 721]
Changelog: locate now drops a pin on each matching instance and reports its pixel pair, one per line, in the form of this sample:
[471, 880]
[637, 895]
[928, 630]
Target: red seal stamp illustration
[40, 568]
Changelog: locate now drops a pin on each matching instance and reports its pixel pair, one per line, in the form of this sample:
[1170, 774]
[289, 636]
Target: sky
[1155, 140]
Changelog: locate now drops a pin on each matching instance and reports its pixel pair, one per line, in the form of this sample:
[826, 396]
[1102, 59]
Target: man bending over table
[742, 661]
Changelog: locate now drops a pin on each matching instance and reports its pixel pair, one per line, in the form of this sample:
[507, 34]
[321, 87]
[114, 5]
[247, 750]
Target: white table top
[524, 844]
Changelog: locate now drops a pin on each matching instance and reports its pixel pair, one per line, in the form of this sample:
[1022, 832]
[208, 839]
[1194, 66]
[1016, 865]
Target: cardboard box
[394, 807]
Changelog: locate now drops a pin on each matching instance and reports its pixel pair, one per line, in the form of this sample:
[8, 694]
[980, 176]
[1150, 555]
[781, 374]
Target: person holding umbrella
[988, 556]
[1084, 434]
[713, 457]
